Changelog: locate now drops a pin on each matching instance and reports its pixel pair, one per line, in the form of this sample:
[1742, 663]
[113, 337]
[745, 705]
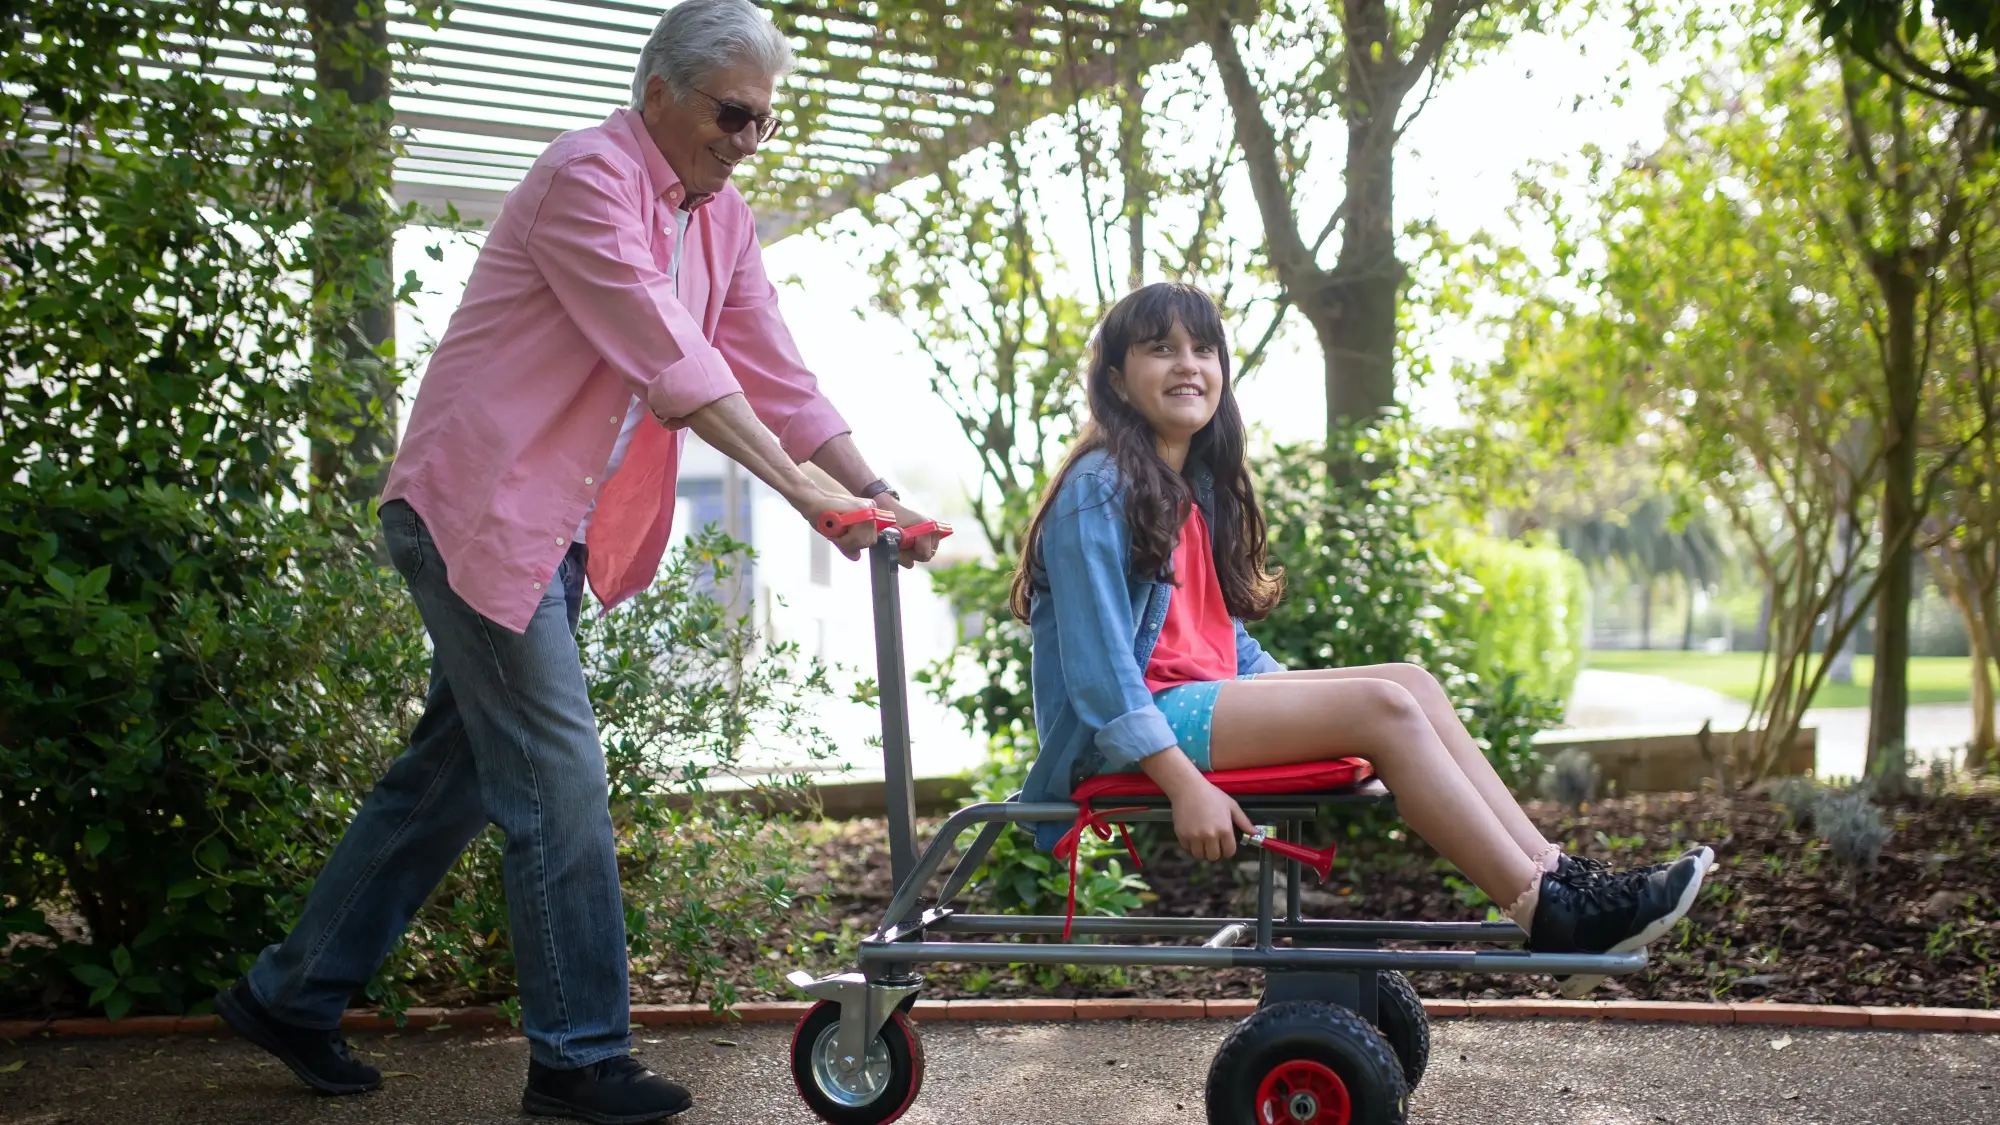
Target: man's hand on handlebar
[917, 548]
[853, 539]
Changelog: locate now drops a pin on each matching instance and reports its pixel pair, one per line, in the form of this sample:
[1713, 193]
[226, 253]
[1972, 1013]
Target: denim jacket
[1094, 625]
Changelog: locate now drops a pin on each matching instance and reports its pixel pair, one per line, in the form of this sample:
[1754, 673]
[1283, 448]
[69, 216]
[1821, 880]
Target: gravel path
[1482, 1073]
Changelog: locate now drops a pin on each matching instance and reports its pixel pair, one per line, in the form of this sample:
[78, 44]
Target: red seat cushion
[1306, 777]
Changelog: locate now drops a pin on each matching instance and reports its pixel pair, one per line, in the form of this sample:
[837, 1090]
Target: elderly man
[620, 298]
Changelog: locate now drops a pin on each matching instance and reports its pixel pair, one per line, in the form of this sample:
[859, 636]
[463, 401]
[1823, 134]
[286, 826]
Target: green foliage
[172, 790]
[1571, 778]
[151, 879]
[184, 696]
[1946, 49]
[1017, 878]
[1525, 614]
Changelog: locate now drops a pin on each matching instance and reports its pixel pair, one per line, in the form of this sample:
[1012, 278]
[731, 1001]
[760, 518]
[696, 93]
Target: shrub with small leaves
[1571, 778]
[1797, 800]
[1853, 830]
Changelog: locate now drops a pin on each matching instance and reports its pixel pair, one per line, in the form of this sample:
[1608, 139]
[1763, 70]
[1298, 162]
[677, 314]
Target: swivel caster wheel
[877, 1091]
[1302, 1062]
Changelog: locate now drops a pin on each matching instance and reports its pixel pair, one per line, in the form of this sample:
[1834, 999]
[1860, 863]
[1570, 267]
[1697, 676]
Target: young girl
[1136, 574]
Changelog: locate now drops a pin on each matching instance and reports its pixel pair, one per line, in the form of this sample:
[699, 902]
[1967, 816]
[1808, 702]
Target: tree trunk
[1841, 670]
[355, 439]
[1354, 313]
[1133, 167]
[1979, 753]
[1646, 613]
[1687, 624]
[1889, 696]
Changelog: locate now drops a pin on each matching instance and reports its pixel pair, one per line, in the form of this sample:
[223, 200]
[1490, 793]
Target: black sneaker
[1614, 913]
[318, 1056]
[618, 1091]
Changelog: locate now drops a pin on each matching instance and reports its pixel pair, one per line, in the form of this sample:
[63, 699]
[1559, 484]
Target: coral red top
[1198, 640]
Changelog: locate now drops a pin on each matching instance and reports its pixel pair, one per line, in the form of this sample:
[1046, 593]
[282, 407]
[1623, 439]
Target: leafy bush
[182, 708]
[1853, 829]
[1571, 778]
[172, 785]
[1018, 879]
[1798, 800]
[307, 688]
[1524, 610]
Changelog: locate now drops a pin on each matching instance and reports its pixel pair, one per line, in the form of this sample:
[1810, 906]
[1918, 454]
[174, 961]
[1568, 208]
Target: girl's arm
[1251, 659]
[1206, 820]
[1085, 553]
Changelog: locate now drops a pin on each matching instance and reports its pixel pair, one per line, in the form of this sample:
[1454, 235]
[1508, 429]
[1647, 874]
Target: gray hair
[696, 37]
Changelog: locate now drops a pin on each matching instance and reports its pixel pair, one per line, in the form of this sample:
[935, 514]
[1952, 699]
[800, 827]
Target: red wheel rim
[1302, 1092]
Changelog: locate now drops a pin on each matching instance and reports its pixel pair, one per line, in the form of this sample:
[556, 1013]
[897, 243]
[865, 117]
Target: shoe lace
[1608, 890]
[1585, 869]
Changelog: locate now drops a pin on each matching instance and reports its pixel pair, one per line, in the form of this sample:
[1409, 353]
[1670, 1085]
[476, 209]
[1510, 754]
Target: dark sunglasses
[734, 117]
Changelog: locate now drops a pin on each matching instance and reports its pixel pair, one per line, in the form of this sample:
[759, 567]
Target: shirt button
[614, 420]
[538, 585]
[559, 540]
[590, 480]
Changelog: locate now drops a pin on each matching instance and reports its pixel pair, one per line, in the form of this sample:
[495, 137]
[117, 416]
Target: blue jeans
[507, 737]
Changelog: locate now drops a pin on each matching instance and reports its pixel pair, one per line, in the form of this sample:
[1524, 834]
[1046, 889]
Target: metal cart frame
[1333, 961]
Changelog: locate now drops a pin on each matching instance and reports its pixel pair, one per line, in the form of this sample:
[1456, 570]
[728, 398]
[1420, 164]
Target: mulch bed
[1777, 920]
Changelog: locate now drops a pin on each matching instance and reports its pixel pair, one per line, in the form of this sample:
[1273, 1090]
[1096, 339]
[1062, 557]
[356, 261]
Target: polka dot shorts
[1190, 712]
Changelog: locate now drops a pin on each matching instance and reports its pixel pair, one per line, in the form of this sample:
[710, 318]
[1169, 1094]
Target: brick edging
[1024, 1011]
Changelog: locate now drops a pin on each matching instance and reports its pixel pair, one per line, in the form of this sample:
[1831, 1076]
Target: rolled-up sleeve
[1251, 659]
[1084, 555]
[752, 336]
[589, 240]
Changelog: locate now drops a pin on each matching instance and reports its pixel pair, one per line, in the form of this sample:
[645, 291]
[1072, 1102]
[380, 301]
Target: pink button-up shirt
[567, 315]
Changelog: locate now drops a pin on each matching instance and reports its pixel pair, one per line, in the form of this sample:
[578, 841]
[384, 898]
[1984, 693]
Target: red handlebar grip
[1320, 861]
[831, 524]
[917, 530]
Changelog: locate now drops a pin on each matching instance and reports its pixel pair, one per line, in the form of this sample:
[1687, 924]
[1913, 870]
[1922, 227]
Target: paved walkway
[1482, 1073]
[1627, 702]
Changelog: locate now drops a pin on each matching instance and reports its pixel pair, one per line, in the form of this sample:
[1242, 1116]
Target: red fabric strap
[1072, 843]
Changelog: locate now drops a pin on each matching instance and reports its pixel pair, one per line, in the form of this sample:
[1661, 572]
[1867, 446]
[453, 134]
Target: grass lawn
[1933, 679]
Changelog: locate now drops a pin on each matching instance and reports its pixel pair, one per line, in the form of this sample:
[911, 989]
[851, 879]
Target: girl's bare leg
[1444, 720]
[1282, 720]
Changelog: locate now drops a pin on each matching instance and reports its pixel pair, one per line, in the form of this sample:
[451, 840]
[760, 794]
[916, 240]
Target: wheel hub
[1302, 1092]
[842, 1079]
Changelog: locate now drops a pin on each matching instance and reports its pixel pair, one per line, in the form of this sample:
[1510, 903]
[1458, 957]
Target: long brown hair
[1156, 497]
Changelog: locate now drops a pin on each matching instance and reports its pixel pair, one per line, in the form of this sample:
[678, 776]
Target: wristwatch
[878, 487]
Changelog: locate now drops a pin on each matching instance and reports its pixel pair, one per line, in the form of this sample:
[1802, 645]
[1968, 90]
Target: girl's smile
[1175, 384]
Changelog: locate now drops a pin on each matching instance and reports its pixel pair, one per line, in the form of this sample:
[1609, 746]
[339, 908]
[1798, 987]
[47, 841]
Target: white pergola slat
[878, 88]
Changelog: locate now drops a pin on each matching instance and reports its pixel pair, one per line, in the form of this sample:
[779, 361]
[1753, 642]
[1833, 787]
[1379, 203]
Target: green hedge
[1524, 611]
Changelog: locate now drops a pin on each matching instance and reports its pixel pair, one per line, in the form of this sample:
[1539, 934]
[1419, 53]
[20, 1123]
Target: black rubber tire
[1307, 1030]
[906, 1069]
[1404, 1024]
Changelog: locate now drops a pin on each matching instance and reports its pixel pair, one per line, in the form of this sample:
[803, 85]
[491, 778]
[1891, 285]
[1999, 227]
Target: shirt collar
[666, 185]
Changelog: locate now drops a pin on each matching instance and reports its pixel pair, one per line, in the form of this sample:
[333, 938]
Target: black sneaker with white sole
[1614, 914]
[1577, 870]
[318, 1056]
[618, 1091]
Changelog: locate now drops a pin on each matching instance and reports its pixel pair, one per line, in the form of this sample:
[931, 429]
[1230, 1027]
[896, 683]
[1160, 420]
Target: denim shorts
[1190, 712]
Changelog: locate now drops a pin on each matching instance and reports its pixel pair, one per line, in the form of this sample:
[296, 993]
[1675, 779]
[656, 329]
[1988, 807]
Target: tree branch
[1290, 258]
